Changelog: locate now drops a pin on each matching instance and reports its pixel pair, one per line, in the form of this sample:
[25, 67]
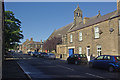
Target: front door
[71, 52]
[88, 52]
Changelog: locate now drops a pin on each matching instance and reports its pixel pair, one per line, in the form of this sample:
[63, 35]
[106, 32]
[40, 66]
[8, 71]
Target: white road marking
[66, 67]
[93, 75]
[24, 71]
[67, 76]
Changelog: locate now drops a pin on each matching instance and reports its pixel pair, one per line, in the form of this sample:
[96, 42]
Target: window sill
[96, 38]
[80, 41]
[71, 42]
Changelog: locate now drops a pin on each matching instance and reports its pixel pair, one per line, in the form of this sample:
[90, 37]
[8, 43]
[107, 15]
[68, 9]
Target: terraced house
[30, 45]
[92, 36]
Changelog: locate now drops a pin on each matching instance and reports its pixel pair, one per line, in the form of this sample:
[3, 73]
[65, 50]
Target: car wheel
[76, 62]
[68, 62]
[111, 69]
[86, 63]
[90, 65]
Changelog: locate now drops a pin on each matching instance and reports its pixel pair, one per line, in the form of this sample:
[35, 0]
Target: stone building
[94, 36]
[2, 51]
[30, 45]
[61, 33]
[19, 48]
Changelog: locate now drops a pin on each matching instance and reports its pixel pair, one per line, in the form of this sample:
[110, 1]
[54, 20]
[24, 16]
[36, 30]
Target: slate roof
[61, 31]
[94, 20]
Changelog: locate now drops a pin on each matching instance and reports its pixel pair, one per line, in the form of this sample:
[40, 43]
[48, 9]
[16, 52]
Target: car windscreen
[80, 55]
[44, 53]
[51, 54]
[118, 58]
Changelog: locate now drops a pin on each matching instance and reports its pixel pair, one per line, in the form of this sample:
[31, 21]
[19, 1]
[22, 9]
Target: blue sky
[40, 19]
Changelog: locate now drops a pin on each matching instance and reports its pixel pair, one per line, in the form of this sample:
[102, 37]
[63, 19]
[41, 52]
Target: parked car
[36, 54]
[32, 53]
[20, 52]
[43, 54]
[77, 59]
[29, 53]
[108, 62]
[51, 56]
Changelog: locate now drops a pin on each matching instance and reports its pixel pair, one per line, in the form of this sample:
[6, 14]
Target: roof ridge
[95, 20]
[64, 26]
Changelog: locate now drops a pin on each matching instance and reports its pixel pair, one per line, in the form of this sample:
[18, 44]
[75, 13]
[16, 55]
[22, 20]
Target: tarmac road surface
[39, 68]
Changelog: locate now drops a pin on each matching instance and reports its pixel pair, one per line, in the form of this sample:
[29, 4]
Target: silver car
[51, 56]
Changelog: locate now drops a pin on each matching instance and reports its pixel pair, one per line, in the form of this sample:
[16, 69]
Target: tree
[13, 33]
[51, 44]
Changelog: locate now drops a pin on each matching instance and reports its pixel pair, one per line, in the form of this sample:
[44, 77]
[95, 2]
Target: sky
[40, 19]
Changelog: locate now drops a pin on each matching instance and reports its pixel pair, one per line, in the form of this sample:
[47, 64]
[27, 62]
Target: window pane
[80, 50]
[80, 36]
[96, 29]
[96, 35]
[71, 38]
[96, 32]
[80, 33]
[119, 26]
[100, 58]
[99, 49]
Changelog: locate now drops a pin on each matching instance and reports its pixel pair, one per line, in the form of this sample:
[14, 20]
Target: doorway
[71, 51]
[88, 52]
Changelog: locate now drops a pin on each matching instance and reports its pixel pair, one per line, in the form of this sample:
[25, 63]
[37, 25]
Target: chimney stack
[27, 40]
[31, 39]
[41, 41]
[118, 6]
[85, 20]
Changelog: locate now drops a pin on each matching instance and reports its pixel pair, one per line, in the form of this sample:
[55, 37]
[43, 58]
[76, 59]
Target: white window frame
[80, 50]
[71, 38]
[80, 36]
[119, 25]
[99, 50]
[96, 29]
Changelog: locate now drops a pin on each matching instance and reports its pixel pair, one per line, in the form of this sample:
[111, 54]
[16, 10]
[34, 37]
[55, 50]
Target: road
[39, 68]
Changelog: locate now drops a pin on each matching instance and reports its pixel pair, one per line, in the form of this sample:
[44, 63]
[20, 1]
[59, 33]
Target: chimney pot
[85, 20]
[31, 39]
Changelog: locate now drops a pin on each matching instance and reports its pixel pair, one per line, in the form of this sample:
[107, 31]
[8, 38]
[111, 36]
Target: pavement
[11, 70]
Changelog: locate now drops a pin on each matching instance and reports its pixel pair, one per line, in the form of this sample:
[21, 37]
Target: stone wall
[1, 36]
[108, 40]
[62, 50]
[119, 46]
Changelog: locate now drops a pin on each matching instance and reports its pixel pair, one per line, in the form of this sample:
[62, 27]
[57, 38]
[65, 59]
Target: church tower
[77, 16]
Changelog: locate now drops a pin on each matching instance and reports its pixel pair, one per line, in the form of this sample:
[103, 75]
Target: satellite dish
[111, 30]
